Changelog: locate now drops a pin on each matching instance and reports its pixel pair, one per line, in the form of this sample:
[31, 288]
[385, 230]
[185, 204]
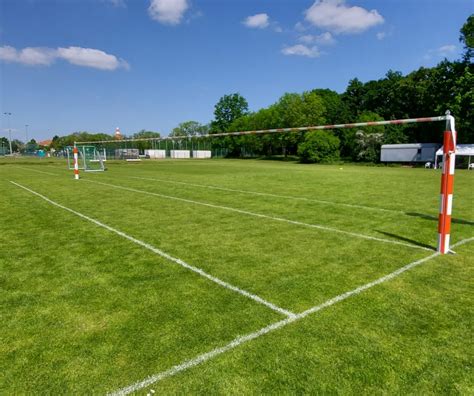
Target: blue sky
[74, 65]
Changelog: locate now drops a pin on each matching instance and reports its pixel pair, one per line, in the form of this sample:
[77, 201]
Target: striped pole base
[447, 185]
[76, 163]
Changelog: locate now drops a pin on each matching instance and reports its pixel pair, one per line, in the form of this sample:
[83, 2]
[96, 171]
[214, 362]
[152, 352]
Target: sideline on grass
[164, 255]
[275, 326]
[322, 201]
[427, 216]
[263, 216]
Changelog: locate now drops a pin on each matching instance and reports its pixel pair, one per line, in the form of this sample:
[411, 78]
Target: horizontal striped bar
[280, 130]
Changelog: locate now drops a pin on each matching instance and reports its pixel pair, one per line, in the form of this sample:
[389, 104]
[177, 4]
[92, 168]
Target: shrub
[368, 146]
[319, 146]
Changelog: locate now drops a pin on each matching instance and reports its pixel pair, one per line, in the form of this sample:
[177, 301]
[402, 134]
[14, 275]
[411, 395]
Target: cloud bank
[257, 21]
[301, 50]
[168, 12]
[43, 56]
[321, 39]
[336, 16]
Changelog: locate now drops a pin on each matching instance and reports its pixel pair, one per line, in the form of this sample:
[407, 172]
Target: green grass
[86, 311]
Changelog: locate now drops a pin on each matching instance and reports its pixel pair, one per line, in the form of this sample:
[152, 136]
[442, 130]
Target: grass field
[233, 276]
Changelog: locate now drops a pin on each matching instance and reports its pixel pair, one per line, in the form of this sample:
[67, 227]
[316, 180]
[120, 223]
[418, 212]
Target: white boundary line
[275, 326]
[269, 195]
[263, 216]
[164, 255]
[35, 170]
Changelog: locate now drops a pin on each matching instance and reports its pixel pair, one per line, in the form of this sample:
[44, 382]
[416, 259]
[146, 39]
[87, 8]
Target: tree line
[423, 92]
[427, 91]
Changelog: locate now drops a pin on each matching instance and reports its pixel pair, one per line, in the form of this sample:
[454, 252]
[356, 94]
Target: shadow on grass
[435, 218]
[404, 239]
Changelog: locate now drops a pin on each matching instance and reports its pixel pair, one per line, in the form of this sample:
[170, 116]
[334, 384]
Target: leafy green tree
[190, 128]
[55, 142]
[296, 110]
[354, 98]
[31, 146]
[336, 110]
[144, 134]
[467, 38]
[368, 140]
[4, 146]
[319, 146]
[228, 108]
[395, 134]
[368, 146]
[17, 145]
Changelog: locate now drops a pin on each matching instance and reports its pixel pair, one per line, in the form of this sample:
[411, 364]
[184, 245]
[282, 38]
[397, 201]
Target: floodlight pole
[26, 134]
[447, 185]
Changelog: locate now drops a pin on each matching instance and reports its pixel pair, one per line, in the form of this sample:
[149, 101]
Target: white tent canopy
[466, 150]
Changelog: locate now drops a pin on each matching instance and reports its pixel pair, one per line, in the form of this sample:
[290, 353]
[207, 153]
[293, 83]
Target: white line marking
[164, 255]
[270, 195]
[35, 170]
[281, 219]
[275, 326]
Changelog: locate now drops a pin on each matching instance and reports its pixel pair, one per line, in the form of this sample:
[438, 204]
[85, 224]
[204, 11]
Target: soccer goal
[89, 159]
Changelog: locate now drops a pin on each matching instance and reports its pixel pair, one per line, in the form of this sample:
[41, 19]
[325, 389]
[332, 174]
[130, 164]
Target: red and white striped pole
[447, 184]
[76, 163]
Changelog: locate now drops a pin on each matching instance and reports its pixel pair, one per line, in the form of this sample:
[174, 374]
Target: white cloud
[39, 56]
[446, 50]
[321, 39]
[168, 12]
[28, 56]
[381, 35]
[257, 21]
[299, 27]
[301, 50]
[277, 28]
[443, 51]
[90, 57]
[338, 17]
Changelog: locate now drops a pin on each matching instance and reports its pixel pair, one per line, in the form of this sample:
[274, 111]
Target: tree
[17, 145]
[228, 108]
[467, 38]
[55, 142]
[354, 97]
[319, 146]
[31, 146]
[4, 146]
[143, 134]
[368, 140]
[368, 146]
[336, 110]
[190, 128]
[395, 134]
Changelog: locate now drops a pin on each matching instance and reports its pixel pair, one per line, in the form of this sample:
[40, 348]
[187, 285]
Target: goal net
[184, 147]
[90, 159]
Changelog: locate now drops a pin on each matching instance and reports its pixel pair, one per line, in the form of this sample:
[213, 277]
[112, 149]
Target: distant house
[45, 143]
[414, 152]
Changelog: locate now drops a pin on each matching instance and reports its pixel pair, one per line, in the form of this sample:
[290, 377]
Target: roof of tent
[461, 149]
